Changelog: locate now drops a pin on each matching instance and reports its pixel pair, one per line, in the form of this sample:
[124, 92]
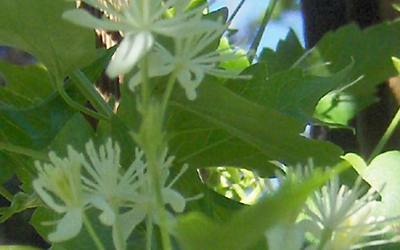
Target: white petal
[128, 221]
[47, 198]
[190, 82]
[129, 52]
[107, 216]
[175, 199]
[68, 227]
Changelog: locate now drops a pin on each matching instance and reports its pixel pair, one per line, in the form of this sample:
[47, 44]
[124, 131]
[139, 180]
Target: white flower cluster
[335, 217]
[144, 23]
[73, 184]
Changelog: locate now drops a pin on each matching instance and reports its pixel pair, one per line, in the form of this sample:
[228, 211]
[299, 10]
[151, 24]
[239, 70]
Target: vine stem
[166, 240]
[264, 23]
[87, 89]
[92, 233]
[152, 142]
[386, 136]
[76, 105]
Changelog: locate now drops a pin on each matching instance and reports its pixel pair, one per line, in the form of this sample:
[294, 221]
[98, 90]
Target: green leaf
[76, 133]
[383, 174]
[20, 202]
[31, 127]
[197, 232]
[27, 85]
[288, 52]
[37, 28]
[26, 133]
[371, 50]
[221, 128]
[290, 92]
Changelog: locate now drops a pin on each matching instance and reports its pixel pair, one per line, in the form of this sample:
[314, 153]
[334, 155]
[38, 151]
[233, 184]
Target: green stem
[92, 233]
[236, 11]
[149, 233]
[86, 88]
[145, 88]
[151, 140]
[162, 215]
[168, 92]
[264, 23]
[24, 151]
[76, 105]
[6, 194]
[386, 136]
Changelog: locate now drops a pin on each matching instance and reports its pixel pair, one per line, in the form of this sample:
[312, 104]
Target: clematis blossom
[343, 219]
[140, 21]
[191, 60]
[59, 186]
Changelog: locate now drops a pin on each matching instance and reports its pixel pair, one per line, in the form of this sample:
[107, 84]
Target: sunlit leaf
[383, 174]
[197, 232]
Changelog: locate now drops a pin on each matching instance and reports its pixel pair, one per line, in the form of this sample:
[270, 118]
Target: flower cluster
[146, 23]
[78, 182]
[335, 218]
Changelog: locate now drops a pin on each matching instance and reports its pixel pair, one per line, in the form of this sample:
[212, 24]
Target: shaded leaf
[261, 131]
[37, 28]
[27, 85]
[290, 92]
[371, 50]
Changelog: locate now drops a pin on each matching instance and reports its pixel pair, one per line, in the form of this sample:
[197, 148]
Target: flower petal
[128, 221]
[175, 199]
[107, 217]
[190, 80]
[68, 227]
[129, 52]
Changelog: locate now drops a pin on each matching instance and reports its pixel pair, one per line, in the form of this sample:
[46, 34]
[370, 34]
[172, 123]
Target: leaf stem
[386, 136]
[264, 23]
[76, 105]
[86, 88]
[92, 233]
[236, 11]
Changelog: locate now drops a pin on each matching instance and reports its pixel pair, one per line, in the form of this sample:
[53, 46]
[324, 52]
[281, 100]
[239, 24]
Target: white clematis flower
[125, 196]
[140, 21]
[191, 61]
[143, 199]
[59, 185]
[342, 220]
